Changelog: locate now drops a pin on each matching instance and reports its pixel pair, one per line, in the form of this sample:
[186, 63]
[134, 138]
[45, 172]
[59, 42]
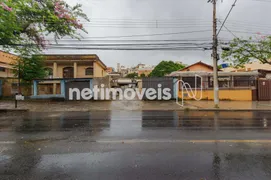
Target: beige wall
[81, 70]
[6, 60]
[98, 70]
[7, 73]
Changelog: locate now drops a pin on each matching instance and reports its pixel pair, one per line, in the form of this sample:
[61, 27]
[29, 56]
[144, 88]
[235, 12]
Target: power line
[118, 44]
[227, 17]
[147, 35]
[134, 44]
[134, 49]
[262, 0]
[229, 30]
[148, 27]
[139, 40]
[250, 32]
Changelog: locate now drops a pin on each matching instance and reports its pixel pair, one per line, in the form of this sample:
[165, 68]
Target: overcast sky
[141, 17]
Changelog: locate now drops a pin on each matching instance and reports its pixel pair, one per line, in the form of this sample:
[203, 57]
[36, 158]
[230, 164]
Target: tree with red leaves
[24, 24]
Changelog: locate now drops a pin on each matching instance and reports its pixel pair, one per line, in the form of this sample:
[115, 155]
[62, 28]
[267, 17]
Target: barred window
[223, 82]
[192, 81]
[89, 71]
[68, 72]
[244, 81]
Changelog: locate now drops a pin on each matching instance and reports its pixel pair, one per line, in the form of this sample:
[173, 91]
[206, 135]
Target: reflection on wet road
[136, 145]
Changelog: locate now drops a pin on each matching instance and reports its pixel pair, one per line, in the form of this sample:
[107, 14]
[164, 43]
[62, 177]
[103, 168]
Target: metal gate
[166, 82]
[76, 84]
[264, 90]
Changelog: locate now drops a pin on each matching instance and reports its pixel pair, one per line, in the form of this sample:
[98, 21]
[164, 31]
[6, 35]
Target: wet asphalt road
[136, 145]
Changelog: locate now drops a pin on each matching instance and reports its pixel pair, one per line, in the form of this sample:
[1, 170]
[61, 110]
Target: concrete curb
[180, 110]
[213, 109]
[13, 110]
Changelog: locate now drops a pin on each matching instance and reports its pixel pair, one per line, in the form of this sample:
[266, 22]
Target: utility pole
[215, 57]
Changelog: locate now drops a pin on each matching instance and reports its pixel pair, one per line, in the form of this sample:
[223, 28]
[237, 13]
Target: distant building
[138, 69]
[118, 67]
[140, 66]
[146, 71]
[123, 71]
[109, 70]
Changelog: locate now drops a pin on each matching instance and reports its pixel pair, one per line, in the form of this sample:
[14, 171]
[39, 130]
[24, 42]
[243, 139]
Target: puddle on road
[137, 121]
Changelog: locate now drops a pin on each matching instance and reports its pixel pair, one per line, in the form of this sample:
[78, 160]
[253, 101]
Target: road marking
[132, 141]
[7, 142]
[230, 141]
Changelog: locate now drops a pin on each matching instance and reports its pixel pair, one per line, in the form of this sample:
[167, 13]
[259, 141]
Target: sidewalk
[49, 106]
[231, 105]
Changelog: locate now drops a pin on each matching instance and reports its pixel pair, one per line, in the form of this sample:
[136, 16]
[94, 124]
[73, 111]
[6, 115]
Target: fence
[10, 86]
[164, 82]
[229, 88]
[223, 83]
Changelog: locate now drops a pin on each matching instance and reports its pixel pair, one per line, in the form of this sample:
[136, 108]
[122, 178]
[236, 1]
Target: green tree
[30, 68]
[142, 75]
[132, 75]
[24, 24]
[241, 51]
[165, 67]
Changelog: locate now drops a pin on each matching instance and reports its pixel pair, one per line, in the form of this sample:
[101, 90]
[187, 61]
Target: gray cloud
[195, 12]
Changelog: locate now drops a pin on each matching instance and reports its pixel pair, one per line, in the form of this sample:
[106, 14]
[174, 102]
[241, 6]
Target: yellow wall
[98, 70]
[6, 60]
[81, 72]
[7, 73]
[235, 95]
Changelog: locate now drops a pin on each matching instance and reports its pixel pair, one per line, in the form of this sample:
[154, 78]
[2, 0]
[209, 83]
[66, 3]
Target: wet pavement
[134, 105]
[60, 106]
[121, 144]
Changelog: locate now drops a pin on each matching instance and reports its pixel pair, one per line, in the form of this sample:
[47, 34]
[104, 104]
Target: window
[89, 71]
[191, 81]
[244, 81]
[68, 72]
[2, 69]
[223, 82]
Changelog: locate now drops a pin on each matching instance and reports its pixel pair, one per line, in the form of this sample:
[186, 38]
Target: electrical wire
[227, 17]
